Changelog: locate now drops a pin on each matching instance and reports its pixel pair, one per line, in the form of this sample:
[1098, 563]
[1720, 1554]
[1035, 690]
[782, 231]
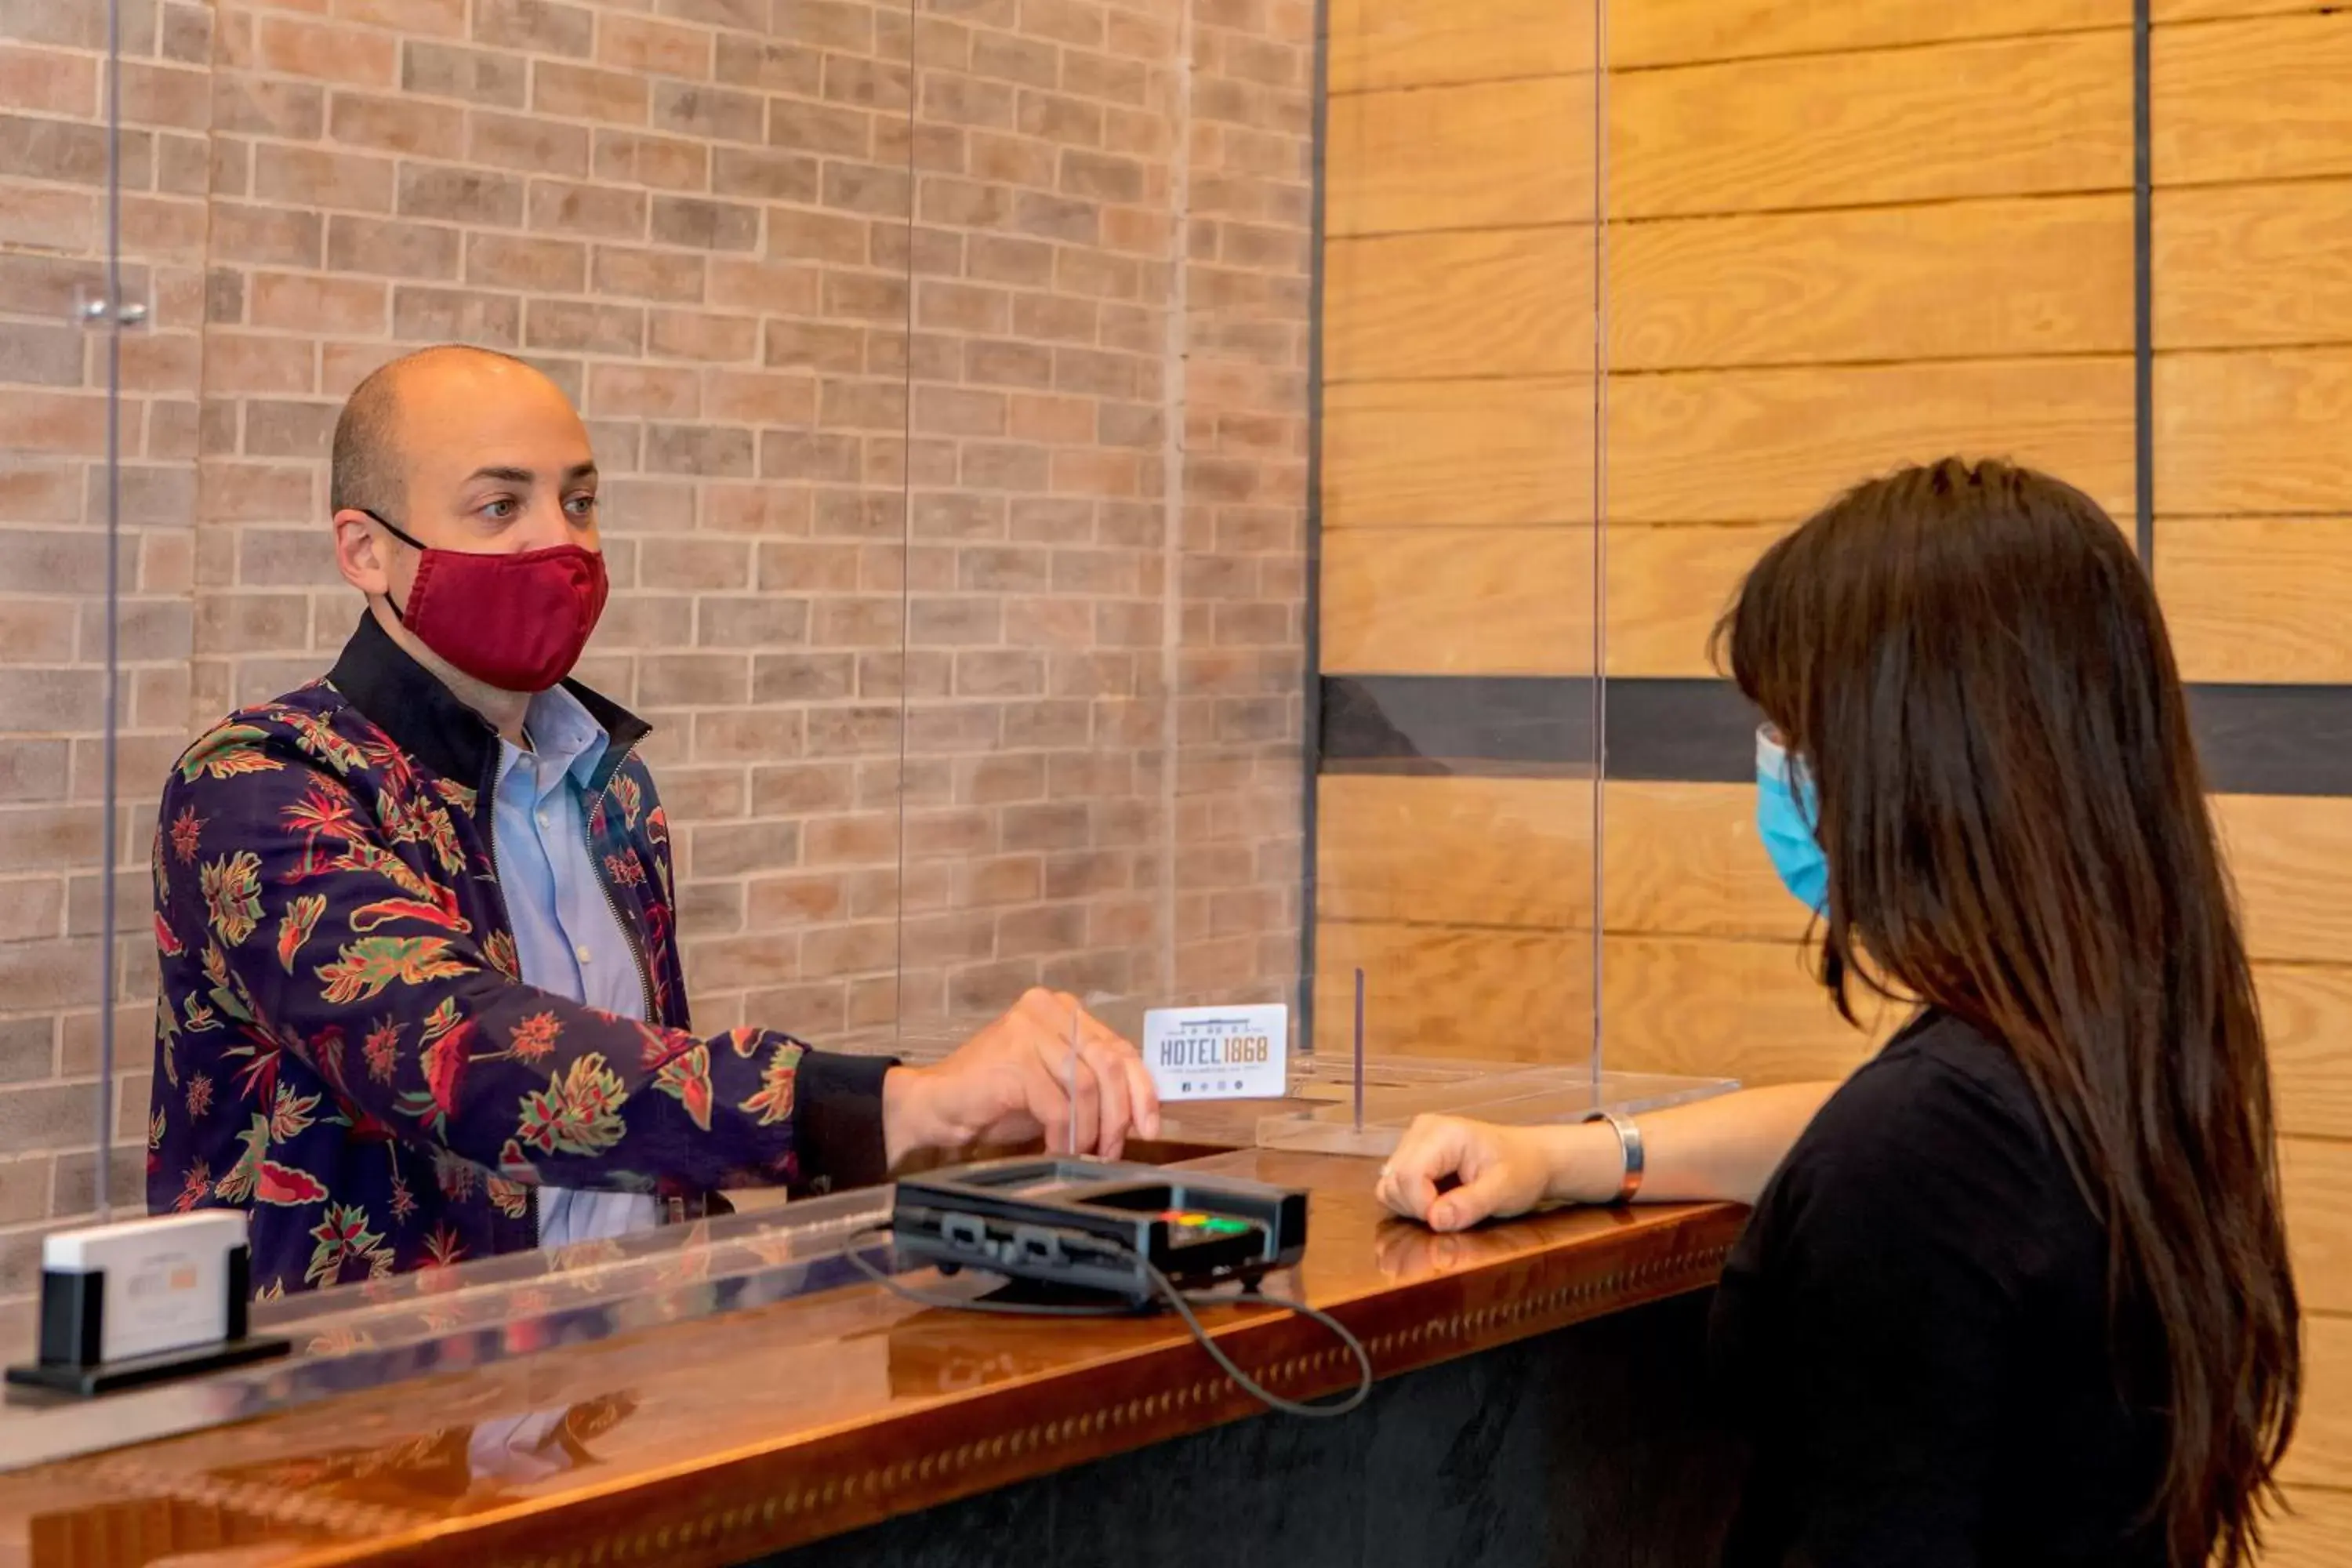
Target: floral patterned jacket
[343, 1046]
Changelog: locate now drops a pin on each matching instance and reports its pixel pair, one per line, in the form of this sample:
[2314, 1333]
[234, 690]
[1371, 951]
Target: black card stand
[73, 1322]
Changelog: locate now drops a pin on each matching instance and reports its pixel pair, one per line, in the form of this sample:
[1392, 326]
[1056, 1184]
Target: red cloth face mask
[514, 622]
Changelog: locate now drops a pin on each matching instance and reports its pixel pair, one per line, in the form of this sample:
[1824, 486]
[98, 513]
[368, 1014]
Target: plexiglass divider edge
[959, 387]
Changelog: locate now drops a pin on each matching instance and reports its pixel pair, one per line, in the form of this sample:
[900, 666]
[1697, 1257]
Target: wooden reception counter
[795, 1429]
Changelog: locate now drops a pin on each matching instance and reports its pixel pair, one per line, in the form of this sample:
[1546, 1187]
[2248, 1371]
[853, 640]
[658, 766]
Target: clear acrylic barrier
[1294, 684]
[1334, 1106]
[1454, 918]
[1029, 589]
[1397, 1090]
[98, 472]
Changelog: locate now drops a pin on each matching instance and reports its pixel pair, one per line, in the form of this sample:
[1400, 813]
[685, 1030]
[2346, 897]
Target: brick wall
[947, 368]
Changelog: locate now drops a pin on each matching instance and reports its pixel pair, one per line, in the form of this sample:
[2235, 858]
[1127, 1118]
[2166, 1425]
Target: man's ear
[360, 554]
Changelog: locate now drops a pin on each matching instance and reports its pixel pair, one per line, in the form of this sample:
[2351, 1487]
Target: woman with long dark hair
[2016, 1292]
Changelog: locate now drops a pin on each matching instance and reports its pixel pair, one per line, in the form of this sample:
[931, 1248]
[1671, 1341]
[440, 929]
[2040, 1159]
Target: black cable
[1251, 1386]
[1167, 1292]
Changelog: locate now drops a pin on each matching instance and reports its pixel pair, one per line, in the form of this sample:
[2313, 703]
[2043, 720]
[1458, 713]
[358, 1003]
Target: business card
[1218, 1053]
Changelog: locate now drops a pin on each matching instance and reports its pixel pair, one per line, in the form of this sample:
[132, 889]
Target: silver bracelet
[1629, 1142]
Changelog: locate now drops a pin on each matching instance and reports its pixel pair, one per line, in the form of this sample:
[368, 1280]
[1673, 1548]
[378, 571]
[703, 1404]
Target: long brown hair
[1972, 664]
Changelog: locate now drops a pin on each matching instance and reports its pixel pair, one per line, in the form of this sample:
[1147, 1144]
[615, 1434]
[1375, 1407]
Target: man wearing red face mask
[421, 999]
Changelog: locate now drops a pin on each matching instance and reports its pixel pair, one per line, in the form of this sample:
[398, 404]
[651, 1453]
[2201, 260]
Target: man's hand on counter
[1011, 1082]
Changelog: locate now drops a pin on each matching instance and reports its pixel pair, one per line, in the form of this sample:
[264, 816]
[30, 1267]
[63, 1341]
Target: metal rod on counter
[1360, 1050]
[1074, 1083]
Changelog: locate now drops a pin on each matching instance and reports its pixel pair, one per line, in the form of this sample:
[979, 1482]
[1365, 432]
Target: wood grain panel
[1680, 859]
[2310, 1532]
[1425, 305]
[1676, 32]
[2291, 856]
[2316, 1178]
[1483, 993]
[1459, 601]
[1467, 452]
[2239, 433]
[1711, 1007]
[1456, 851]
[1770, 446]
[2012, 117]
[1501, 154]
[2256, 599]
[1715, 1006]
[1955, 280]
[2238, 265]
[1411, 43]
[1684, 859]
[2321, 1455]
[1669, 582]
[2304, 1013]
[2252, 101]
[1667, 585]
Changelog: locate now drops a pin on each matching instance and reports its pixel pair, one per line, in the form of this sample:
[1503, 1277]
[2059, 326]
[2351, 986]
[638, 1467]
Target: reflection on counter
[280, 1506]
[464, 1467]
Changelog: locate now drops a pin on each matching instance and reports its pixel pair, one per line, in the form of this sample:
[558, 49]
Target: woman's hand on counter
[1503, 1171]
[1017, 1079]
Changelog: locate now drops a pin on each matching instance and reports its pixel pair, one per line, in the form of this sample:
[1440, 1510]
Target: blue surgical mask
[1786, 809]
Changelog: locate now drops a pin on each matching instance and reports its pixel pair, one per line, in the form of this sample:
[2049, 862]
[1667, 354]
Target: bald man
[421, 998]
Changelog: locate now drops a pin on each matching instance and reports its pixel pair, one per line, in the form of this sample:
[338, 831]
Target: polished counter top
[718, 1440]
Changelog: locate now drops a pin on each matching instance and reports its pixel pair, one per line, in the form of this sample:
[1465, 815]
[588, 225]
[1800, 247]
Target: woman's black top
[1914, 1335]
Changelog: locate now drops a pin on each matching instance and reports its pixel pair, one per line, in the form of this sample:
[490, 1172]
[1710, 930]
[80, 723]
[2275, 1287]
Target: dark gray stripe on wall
[1456, 723]
[2255, 740]
[2274, 740]
[1698, 729]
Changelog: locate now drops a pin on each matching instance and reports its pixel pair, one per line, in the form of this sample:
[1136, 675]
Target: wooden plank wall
[2250, 123]
[1459, 524]
[1837, 237]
